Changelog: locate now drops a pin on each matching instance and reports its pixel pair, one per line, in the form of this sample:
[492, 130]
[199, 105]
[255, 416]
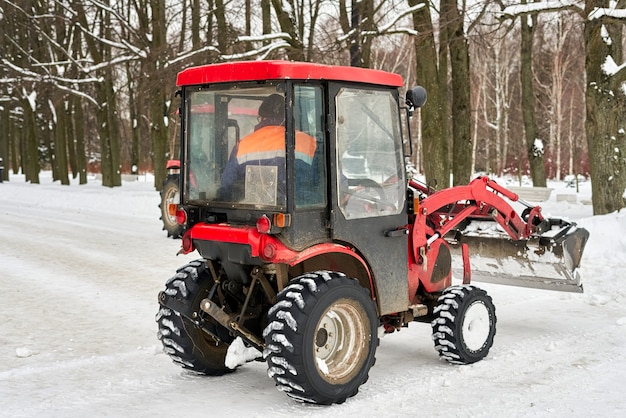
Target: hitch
[230, 324]
[214, 312]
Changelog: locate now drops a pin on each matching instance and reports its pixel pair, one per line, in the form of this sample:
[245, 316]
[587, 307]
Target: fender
[173, 165]
[269, 248]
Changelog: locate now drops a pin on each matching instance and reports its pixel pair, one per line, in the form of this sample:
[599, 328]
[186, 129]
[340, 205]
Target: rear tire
[185, 342]
[321, 338]
[464, 325]
[170, 194]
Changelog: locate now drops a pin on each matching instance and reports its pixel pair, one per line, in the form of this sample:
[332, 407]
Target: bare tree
[606, 106]
[534, 145]
[604, 97]
[495, 63]
[562, 73]
[287, 19]
[108, 120]
[452, 22]
[432, 74]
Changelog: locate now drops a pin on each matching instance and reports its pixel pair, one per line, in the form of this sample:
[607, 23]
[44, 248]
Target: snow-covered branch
[387, 29]
[407, 31]
[27, 75]
[112, 62]
[617, 72]
[266, 37]
[612, 13]
[188, 54]
[124, 45]
[540, 7]
[260, 53]
[120, 19]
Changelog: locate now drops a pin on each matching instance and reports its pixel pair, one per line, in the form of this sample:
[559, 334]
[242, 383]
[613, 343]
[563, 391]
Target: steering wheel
[367, 184]
[370, 195]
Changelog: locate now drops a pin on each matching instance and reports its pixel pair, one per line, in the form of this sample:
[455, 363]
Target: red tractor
[311, 237]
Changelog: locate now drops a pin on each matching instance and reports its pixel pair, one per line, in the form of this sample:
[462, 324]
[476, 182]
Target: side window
[369, 154]
[310, 170]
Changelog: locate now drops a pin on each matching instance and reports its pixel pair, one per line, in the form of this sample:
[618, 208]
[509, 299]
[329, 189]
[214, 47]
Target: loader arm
[442, 211]
[544, 252]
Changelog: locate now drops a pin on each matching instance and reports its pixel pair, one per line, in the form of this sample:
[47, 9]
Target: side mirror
[416, 97]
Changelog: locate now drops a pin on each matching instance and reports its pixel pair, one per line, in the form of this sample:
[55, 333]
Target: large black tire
[170, 194]
[187, 344]
[321, 338]
[464, 325]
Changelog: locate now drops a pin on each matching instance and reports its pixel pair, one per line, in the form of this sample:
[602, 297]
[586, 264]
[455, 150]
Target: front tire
[464, 325]
[185, 342]
[321, 338]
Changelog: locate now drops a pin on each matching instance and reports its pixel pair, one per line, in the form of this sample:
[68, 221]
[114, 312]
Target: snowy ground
[81, 267]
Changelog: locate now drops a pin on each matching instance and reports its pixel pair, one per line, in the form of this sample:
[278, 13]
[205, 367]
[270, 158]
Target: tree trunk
[367, 22]
[195, 24]
[534, 146]
[60, 143]
[461, 107]
[604, 124]
[158, 113]
[222, 26]
[107, 109]
[434, 132]
[79, 145]
[288, 24]
[5, 135]
[71, 138]
[310, 47]
[109, 132]
[355, 21]
[134, 111]
[30, 154]
[266, 15]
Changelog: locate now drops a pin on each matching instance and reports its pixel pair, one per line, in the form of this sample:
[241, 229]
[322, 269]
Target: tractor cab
[302, 152]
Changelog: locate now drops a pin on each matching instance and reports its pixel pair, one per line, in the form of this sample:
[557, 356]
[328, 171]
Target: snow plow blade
[548, 261]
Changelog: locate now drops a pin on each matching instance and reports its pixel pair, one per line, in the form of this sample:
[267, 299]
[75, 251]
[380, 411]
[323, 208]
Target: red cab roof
[279, 70]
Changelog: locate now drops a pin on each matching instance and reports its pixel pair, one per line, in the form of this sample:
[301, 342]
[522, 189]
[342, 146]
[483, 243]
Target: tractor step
[548, 261]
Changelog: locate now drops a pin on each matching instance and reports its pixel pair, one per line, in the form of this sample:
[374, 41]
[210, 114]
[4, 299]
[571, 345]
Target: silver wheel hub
[341, 341]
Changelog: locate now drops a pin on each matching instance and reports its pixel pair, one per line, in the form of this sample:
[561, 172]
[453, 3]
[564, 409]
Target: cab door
[369, 186]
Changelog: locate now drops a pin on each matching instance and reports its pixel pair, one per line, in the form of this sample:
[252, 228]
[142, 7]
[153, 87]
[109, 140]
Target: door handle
[398, 232]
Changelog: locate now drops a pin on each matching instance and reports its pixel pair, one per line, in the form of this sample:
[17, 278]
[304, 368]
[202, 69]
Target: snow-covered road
[81, 267]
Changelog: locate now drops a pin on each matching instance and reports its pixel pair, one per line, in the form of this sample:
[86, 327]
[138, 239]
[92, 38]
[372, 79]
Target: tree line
[519, 87]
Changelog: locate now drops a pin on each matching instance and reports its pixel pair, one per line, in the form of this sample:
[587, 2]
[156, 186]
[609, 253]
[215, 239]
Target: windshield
[236, 145]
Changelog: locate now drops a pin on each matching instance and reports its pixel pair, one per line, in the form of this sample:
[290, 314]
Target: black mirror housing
[416, 97]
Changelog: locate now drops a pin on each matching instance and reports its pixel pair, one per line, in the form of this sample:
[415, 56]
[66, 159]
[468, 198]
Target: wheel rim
[476, 326]
[341, 341]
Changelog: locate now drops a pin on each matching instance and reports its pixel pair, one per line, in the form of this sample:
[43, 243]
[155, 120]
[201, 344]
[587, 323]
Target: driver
[265, 147]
